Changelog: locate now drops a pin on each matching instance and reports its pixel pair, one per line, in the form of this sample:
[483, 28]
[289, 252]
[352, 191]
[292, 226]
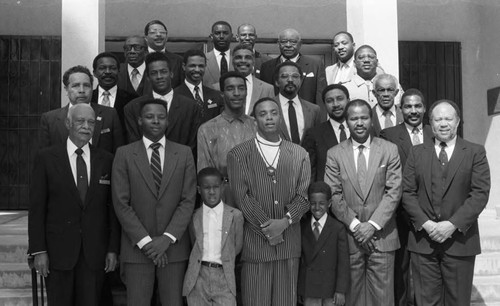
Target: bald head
[289, 42]
[246, 35]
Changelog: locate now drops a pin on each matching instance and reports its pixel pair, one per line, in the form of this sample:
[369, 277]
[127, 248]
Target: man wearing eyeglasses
[131, 77]
[314, 80]
[156, 34]
[385, 114]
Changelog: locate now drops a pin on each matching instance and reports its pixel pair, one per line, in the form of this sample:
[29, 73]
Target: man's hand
[368, 247]
[111, 262]
[162, 261]
[442, 231]
[364, 232]
[42, 264]
[155, 249]
[339, 299]
[429, 226]
[274, 227]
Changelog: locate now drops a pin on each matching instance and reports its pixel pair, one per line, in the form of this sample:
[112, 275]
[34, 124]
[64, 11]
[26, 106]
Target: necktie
[135, 78]
[294, 127]
[198, 99]
[388, 122]
[223, 63]
[81, 175]
[443, 157]
[361, 167]
[415, 139]
[105, 98]
[343, 136]
[316, 230]
[156, 164]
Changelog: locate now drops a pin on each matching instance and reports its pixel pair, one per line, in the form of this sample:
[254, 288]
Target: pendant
[271, 171]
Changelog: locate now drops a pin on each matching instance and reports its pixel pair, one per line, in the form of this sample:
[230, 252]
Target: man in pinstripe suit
[269, 179]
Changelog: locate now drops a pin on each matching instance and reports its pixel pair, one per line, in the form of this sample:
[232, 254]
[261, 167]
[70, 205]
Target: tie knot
[360, 148]
[387, 113]
[155, 146]
[79, 151]
[443, 144]
[415, 130]
[290, 102]
[135, 71]
[106, 93]
[341, 127]
[223, 54]
[196, 88]
[316, 224]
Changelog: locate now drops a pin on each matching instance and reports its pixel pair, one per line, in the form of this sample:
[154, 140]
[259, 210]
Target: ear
[184, 67]
[198, 189]
[67, 123]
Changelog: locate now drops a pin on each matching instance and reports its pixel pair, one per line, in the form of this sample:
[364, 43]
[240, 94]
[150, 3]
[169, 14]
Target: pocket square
[310, 75]
[105, 131]
[99, 118]
[210, 101]
[212, 105]
[382, 166]
[104, 182]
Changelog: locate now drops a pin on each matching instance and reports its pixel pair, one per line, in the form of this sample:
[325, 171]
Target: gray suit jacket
[379, 200]
[312, 117]
[232, 243]
[212, 71]
[142, 211]
[260, 90]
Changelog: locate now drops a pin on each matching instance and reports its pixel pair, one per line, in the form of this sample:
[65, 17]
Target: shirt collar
[112, 91]
[284, 100]
[293, 59]
[218, 210]
[321, 220]
[348, 64]
[380, 111]
[168, 96]
[411, 127]
[147, 142]
[356, 144]
[71, 148]
[450, 143]
[335, 124]
[191, 86]
[141, 69]
[249, 79]
[227, 54]
[151, 50]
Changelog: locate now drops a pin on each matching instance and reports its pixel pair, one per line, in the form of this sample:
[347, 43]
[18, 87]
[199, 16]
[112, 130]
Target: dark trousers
[404, 294]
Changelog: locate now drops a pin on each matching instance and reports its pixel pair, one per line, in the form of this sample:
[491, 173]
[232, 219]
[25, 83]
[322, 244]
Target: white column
[375, 23]
[82, 35]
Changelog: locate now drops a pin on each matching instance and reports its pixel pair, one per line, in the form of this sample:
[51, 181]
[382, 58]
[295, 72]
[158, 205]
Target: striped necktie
[156, 164]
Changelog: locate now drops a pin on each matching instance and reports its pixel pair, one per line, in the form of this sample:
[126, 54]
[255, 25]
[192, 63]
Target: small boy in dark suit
[324, 265]
[217, 235]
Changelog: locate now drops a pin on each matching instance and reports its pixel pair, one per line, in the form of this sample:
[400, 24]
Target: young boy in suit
[217, 236]
[324, 265]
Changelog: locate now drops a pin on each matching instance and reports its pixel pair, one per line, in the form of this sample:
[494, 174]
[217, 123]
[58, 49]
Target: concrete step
[487, 263]
[17, 297]
[486, 289]
[15, 275]
[13, 249]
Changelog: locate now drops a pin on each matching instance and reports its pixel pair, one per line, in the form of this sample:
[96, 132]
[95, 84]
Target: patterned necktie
[294, 127]
[388, 122]
[135, 78]
[443, 157]
[316, 230]
[415, 138]
[156, 164]
[223, 63]
[343, 136]
[361, 167]
[198, 99]
[81, 175]
[105, 98]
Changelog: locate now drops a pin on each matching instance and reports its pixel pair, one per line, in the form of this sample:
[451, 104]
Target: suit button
[276, 202]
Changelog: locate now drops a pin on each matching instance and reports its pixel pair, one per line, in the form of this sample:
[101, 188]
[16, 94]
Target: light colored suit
[377, 203]
[231, 244]
[312, 117]
[212, 71]
[332, 70]
[260, 90]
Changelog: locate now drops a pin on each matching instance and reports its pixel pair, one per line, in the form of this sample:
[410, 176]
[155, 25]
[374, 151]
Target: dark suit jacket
[59, 222]
[213, 101]
[122, 98]
[380, 198]
[376, 127]
[183, 120]
[108, 134]
[142, 211]
[466, 192]
[259, 60]
[313, 83]
[124, 82]
[317, 141]
[312, 117]
[231, 245]
[324, 264]
[176, 68]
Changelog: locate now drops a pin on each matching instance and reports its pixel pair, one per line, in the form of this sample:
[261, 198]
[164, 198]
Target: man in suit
[343, 70]
[386, 113]
[364, 173]
[319, 139]
[445, 187]
[243, 62]
[131, 77]
[219, 59]
[108, 133]
[269, 179]
[72, 228]
[314, 81]
[106, 69]
[153, 186]
[298, 115]
[183, 113]
[209, 101]
[247, 35]
[156, 34]
[406, 135]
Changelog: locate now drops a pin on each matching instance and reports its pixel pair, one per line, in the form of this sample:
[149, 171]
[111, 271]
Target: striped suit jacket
[260, 198]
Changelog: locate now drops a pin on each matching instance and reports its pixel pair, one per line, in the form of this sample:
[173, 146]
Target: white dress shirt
[151, 50]
[140, 71]
[381, 117]
[344, 71]
[321, 221]
[192, 91]
[293, 59]
[450, 147]
[212, 233]
[218, 57]
[336, 129]
[71, 148]
[298, 111]
[112, 95]
[167, 98]
[420, 133]
[249, 79]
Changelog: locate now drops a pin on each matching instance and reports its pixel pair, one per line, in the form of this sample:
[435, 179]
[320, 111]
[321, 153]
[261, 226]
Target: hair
[222, 22]
[332, 87]
[156, 57]
[77, 69]
[72, 109]
[383, 76]
[364, 47]
[247, 25]
[143, 39]
[191, 53]
[152, 22]
[451, 103]
[345, 33]
[357, 103]
[320, 187]
[284, 64]
[243, 47]
[260, 101]
[230, 74]
[153, 101]
[290, 29]
[412, 92]
[208, 171]
[105, 54]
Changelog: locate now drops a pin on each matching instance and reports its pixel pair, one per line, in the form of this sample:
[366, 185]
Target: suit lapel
[426, 160]
[284, 130]
[169, 164]
[94, 180]
[98, 123]
[227, 219]
[324, 237]
[61, 128]
[142, 163]
[373, 162]
[399, 116]
[350, 166]
[198, 227]
[308, 115]
[329, 137]
[64, 168]
[455, 161]
[404, 140]
[173, 113]
[212, 68]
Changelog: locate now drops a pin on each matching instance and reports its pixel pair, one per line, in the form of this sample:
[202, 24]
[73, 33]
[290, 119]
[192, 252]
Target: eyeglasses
[133, 47]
